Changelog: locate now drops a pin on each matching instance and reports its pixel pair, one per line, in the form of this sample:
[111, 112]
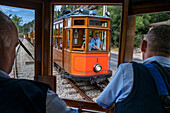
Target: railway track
[88, 90]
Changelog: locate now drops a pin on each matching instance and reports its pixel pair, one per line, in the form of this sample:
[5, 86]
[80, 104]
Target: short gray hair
[6, 27]
[158, 40]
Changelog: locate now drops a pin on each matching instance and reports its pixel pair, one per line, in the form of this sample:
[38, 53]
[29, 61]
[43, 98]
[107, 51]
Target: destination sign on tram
[98, 23]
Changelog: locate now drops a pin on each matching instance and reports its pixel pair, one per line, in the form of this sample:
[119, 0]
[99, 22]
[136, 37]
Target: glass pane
[68, 39]
[98, 23]
[78, 37]
[75, 36]
[69, 22]
[97, 40]
[61, 29]
[103, 40]
[60, 43]
[78, 22]
[56, 29]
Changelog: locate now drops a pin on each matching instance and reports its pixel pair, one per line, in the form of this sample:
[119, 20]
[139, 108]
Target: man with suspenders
[137, 88]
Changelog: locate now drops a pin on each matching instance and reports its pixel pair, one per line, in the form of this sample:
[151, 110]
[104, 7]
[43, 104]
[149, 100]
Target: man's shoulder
[126, 64]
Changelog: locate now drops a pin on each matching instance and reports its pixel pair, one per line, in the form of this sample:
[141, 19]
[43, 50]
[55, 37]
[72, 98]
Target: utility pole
[104, 33]
[104, 10]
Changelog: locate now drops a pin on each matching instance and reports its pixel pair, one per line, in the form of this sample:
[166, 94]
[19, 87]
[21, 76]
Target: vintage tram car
[72, 51]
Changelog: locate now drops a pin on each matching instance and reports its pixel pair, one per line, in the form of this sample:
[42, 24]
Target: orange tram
[72, 56]
[81, 44]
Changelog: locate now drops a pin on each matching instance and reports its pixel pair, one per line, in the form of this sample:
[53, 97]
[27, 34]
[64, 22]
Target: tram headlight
[97, 68]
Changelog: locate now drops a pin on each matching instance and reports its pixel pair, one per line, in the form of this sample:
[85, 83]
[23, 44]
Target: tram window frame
[58, 35]
[106, 40]
[69, 22]
[78, 46]
[60, 28]
[67, 47]
[56, 31]
[79, 18]
[107, 22]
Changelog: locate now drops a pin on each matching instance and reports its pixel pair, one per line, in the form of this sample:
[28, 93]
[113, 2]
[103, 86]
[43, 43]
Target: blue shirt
[97, 40]
[122, 82]
[91, 44]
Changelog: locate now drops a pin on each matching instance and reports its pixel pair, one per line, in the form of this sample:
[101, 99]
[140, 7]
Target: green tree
[17, 20]
[115, 15]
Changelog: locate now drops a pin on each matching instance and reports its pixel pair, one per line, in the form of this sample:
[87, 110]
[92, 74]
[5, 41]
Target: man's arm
[119, 87]
[54, 104]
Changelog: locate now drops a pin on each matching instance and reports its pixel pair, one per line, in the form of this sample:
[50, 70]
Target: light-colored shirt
[122, 82]
[97, 40]
[91, 44]
[54, 104]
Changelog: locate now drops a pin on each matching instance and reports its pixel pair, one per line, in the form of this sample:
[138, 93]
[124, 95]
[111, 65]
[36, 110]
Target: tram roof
[73, 14]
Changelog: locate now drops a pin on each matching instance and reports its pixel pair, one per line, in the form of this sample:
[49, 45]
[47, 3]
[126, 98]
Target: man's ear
[144, 45]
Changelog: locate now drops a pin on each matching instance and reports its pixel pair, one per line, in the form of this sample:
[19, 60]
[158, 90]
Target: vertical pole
[86, 35]
[127, 34]
[130, 38]
[38, 40]
[45, 42]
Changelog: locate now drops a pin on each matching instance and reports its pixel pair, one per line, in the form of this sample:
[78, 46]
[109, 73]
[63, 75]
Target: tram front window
[78, 38]
[97, 40]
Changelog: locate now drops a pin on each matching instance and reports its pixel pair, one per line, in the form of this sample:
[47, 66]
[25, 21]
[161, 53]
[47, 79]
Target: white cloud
[57, 7]
[7, 9]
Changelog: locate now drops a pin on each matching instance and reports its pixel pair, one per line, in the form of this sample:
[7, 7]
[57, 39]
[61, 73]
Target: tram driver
[19, 95]
[132, 88]
[96, 40]
[91, 45]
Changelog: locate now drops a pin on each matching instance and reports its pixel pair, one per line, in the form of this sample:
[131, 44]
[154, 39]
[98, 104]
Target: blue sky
[27, 15]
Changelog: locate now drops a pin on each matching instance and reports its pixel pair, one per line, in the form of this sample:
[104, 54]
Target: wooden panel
[127, 36]
[38, 41]
[21, 3]
[57, 57]
[86, 2]
[46, 41]
[51, 80]
[123, 31]
[63, 43]
[67, 61]
[149, 8]
[130, 38]
[83, 105]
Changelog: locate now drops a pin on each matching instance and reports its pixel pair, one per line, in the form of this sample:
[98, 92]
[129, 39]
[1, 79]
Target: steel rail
[82, 93]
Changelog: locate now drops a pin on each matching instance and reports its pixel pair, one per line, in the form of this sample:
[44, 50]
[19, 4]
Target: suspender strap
[164, 74]
[160, 84]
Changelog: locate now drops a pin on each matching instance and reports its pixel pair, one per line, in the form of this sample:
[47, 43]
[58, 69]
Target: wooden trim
[123, 31]
[108, 41]
[130, 38]
[86, 39]
[78, 49]
[71, 39]
[38, 41]
[86, 105]
[63, 43]
[51, 35]
[22, 4]
[149, 8]
[47, 15]
[87, 2]
[51, 80]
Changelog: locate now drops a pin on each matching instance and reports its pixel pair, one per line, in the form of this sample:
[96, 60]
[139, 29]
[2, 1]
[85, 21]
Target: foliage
[142, 21]
[115, 15]
[17, 20]
[28, 27]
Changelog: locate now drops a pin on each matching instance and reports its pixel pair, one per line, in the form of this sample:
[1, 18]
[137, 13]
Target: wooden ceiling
[135, 6]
